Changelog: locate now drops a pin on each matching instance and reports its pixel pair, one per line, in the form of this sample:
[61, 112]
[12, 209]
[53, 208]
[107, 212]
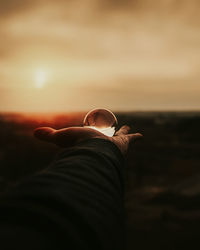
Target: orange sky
[81, 54]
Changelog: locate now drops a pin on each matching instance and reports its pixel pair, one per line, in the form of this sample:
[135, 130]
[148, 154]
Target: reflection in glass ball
[102, 120]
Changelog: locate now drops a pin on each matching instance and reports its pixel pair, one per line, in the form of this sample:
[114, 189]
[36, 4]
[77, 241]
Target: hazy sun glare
[40, 78]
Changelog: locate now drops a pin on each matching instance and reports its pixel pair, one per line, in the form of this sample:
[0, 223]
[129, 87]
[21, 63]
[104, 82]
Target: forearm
[92, 182]
[80, 195]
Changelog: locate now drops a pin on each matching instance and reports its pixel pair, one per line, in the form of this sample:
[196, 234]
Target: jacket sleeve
[76, 203]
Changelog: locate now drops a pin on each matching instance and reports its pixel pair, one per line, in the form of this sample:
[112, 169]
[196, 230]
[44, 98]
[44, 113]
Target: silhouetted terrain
[163, 171]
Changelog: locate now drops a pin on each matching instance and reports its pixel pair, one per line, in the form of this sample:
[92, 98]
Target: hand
[71, 136]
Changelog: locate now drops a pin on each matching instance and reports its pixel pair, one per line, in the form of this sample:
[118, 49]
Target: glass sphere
[102, 120]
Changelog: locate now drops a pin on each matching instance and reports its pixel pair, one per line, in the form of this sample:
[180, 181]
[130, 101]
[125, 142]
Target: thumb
[44, 133]
[133, 137]
[123, 130]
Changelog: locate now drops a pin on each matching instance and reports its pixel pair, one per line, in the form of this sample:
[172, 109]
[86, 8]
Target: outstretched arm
[77, 203]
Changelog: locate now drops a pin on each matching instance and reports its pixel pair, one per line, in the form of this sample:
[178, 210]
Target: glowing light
[109, 131]
[40, 79]
[101, 120]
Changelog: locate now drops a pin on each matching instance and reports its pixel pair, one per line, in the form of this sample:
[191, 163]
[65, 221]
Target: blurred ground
[163, 171]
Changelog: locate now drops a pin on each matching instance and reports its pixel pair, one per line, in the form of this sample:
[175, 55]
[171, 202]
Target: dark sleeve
[76, 203]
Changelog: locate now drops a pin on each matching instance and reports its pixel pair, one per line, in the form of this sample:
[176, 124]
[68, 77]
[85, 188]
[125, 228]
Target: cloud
[8, 8]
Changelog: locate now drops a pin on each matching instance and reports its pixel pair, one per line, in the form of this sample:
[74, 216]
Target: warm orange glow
[122, 55]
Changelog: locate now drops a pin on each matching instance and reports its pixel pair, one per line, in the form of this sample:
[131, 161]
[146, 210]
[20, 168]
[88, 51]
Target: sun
[40, 78]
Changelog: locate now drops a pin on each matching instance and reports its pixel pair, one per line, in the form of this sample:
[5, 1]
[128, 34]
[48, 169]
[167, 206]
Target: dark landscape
[162, 177]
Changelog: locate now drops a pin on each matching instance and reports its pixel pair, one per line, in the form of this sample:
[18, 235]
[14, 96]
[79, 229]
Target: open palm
[71, 136]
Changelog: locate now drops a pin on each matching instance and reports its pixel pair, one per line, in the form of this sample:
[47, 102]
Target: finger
[123, 130]
[44, 133]
[133, 137]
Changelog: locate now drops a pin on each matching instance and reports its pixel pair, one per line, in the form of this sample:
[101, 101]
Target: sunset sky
[80, 54]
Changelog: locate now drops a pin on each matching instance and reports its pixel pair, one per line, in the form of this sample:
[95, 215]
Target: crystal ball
[103, 120]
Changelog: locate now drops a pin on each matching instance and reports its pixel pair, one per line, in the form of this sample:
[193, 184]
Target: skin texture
[68, 137]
